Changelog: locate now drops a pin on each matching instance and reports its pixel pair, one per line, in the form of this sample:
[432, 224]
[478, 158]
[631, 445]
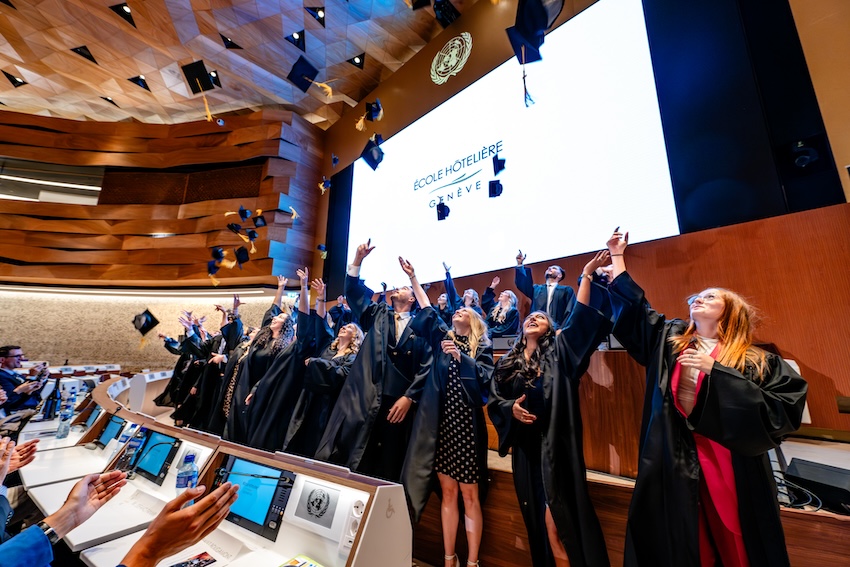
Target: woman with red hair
[714, 406]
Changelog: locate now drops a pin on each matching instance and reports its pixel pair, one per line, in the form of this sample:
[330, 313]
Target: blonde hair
[354, 346]
[477, 331]
[500, 317]
[735, 330]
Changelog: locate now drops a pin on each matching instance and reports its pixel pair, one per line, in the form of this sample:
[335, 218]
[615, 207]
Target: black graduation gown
[218, 419]
[252, 369]
[170, 397]
[358, 434]
[456, 300]
[418, 475]
[746, 417]
[548, 456]
[277, 391]
[209, 383]
[187, 403]
[563, 297]
[510, 326]
[323, 379]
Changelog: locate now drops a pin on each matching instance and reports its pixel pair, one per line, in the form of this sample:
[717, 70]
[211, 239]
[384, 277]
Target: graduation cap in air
[498, 165]
[334, 160]
[442, 211]
[212, 268]
[234, 228]
[259, 220]
[302, 74]
[242, 256]
[324, 185]
[374, 112]
[144, 322]
[495, 188]
[533, 18]
[323, 251]
[372, 154]
[217, 254]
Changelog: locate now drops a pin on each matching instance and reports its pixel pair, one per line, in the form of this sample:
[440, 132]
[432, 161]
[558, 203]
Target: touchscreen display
[111, 431]
[255, 492]
[154, 455]
[95, 411]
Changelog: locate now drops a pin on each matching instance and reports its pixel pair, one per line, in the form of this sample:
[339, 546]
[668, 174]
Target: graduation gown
[358, 434]
[510, 326]
[218, 418]
[563, 297]
[209, 383]
[170, 397]
[418, 475]
[323, 379]
[732, 409]
[251, 370]
[278, 390]
[548, 455]
[455, 300]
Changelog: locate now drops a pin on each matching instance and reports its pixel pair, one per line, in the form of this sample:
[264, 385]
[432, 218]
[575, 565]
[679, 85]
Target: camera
[219, 121]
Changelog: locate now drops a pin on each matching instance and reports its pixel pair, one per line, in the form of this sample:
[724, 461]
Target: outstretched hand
[520, 258]
[496, 281]
[407, 267]
[86, 497]
[618, 242]
[447, 268]
[520, 413]
[303, 276]
[362, 251]
[7, 449]
[24, 454]
[281, 281]
[600, 259]
[319, 286]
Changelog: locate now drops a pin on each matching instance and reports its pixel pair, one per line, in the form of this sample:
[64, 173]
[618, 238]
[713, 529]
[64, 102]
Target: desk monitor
[111, 431]
[263, 495]
[155, 456]
[95, 412]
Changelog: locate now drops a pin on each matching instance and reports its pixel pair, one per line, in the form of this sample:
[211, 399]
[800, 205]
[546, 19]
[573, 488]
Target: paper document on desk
[143, 502]
[217, 549]
[301, 561]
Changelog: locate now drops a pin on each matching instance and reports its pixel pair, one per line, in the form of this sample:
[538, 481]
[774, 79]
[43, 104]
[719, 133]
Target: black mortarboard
[334, 160]
[218, 254]
[251, 234]
[259, 221]
[144, 322]
[302, 74]
[495, 188]
[442, 211]
[498, 165]
[242, 256]
[244, 213]
[235, 228]
[372, 154]
[533, 18]
[212, 267]
[324, 184]
[374, 110]
[323, 251]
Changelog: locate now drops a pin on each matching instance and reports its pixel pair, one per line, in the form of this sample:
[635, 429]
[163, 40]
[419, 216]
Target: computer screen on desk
[111, 431]
[155, 456]
[263, 495]
[95, 411]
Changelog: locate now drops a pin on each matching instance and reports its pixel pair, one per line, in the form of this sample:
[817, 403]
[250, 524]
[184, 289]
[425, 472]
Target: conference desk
[60, 465]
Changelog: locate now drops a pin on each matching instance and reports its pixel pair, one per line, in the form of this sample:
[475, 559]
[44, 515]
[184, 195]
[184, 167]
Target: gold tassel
[214, 280]
[253, 248]
[294, 213]
[325, 87]
[380, 114]
[228, 213]
[206, 104]
[361, 123]
[142, 343]
[323, 254]
[258, 212]
[243, 237]
[229, 264]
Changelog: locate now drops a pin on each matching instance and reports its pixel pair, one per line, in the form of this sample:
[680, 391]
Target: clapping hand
[24, 454]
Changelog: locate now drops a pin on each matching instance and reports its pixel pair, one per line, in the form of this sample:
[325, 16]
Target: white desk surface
[63, 464]
[35, 426]
[47, 440]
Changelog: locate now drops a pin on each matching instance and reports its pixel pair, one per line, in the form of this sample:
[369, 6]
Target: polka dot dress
[456, 452]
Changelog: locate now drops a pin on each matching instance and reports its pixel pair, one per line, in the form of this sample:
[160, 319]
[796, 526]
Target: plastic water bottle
[187, 474]
[126, 435]
[65, 415]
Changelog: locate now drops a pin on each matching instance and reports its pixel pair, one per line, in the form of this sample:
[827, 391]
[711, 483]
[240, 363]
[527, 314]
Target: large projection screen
[586, 157]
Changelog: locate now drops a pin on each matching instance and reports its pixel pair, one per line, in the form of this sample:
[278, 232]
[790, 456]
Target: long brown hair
[735, 330]
[514, 366]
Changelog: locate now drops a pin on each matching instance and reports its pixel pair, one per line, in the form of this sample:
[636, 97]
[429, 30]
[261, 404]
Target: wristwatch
[51, 534]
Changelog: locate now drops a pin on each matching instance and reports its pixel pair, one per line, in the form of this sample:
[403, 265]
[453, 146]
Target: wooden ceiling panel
[36, 39]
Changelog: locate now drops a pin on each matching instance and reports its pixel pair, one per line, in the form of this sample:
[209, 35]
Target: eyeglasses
[704, 298]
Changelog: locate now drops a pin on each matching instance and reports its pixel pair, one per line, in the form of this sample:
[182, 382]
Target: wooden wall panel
[155, 226]
[793, 268]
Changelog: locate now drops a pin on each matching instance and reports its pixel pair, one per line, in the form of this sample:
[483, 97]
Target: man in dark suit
[370, 425]
[21, 394]
[552, 298]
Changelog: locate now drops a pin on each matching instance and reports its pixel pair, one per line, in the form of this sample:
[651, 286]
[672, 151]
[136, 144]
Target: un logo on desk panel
[318, 502]
[451, 58]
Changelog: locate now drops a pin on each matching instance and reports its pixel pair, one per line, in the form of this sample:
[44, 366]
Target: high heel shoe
[451, 557]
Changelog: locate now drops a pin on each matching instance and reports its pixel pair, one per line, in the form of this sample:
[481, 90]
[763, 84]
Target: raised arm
[418, 291]
[278, 296]
[522, 277]
[304, 296]
[599, 260]
[236, 304]
[617, 247]
[321, 305]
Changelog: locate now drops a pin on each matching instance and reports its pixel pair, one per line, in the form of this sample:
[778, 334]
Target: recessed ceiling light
[296, 35]
[126, 8]
[318, 14]
[123, 10]
[229, 43]
[142, 77]
[16, 81]
[297, 39]
[358, 60]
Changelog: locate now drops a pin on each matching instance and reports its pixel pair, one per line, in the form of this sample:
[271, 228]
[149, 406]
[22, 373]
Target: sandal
[452, 557]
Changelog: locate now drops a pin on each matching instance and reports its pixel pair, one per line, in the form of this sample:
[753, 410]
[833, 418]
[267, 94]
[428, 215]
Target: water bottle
[132, 448]
[187, 474]
[65, 415]
[72, 399]
[126, 435]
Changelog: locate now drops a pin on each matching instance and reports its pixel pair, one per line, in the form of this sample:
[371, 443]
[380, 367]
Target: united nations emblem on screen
[451, 58]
